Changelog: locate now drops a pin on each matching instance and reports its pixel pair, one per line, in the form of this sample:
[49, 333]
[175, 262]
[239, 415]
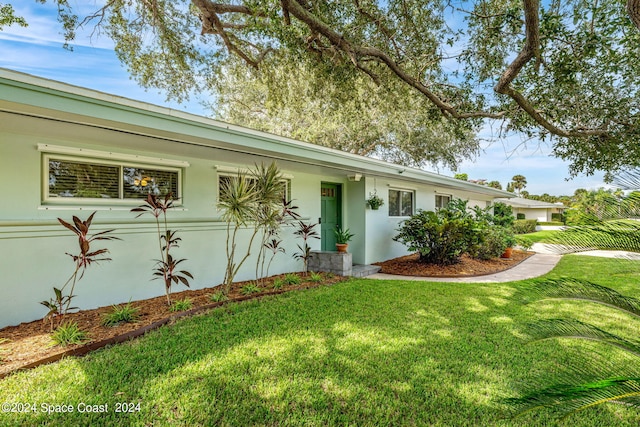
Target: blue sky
[38, 50]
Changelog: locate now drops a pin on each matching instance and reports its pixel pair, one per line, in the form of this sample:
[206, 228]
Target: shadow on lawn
[363, 352]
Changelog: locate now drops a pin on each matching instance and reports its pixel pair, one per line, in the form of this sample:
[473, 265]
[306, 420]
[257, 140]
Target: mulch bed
[411, 266]
[29, 344]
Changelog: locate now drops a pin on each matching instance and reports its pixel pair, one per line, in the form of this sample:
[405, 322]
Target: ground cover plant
[363, 352]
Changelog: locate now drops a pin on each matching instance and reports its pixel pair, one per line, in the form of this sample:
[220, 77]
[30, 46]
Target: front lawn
[542, 236]
[363, 352]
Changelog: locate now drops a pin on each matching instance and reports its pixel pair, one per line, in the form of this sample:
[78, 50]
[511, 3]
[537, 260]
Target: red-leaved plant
[306, 231]
[61, 304]
[166, 266]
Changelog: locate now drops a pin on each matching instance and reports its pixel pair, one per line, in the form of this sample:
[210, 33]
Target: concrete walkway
[546, 248]
[534, 266]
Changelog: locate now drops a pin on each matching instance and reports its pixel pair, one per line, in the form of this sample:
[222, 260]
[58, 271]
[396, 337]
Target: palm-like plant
[254, 198]
[570, 395]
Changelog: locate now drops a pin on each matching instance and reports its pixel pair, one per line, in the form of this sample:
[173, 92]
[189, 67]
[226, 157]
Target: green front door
[330, 215]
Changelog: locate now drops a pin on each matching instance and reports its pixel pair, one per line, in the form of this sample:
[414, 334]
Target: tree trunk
[633, 9]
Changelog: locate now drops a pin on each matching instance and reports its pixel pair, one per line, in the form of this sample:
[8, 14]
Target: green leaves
[574, 393]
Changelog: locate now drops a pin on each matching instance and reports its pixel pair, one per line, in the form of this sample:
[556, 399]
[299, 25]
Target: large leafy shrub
[439, 237]
[524, 226]
[503, 214]
[495, 240]
[443, 236]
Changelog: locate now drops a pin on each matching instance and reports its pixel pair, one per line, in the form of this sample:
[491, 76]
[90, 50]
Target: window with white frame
[76, 178]
[400, 202]
[442, 200]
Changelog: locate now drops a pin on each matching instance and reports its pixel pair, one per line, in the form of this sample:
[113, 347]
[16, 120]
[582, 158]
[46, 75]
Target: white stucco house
[49, 127]
[533, 209]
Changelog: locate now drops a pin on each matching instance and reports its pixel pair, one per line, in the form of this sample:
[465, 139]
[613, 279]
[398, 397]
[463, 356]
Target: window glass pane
[138, 182]
[442, 201]
[407, 203]
[85, 180]
[394, 203]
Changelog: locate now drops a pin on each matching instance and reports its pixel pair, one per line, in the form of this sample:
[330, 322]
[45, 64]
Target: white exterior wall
[381, 228]
[541, 214]
[33, 244]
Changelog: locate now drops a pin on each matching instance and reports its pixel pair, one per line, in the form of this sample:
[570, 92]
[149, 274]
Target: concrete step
[360, 270]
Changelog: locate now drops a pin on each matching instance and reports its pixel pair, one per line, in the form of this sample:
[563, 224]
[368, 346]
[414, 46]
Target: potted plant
[510, 242]
[374, 201]
[342, 238]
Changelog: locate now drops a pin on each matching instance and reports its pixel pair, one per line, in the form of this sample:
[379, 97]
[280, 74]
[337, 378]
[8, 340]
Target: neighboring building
[67, 151]
[533, 209]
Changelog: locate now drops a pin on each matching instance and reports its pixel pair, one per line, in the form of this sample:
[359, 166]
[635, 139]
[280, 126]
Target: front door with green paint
[330, 215]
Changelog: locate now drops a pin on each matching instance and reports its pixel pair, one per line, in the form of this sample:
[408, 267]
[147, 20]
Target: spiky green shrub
[253, 198]
[121, 314]
[218, 297]
[250, 288]
[277, 284]
[315, 277]
[570, 395]
[292, 279]
[181, 305]
[68, 333]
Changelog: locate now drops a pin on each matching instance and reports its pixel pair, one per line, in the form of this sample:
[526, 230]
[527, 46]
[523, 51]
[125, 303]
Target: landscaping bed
[30, 344]
[410, 265]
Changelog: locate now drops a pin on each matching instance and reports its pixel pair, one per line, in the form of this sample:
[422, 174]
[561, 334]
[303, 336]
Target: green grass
[362, 352]
[542, 236]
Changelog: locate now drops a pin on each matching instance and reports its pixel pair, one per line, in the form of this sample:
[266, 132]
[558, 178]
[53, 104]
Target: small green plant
[315, 277]
[181, 305]
[278, 283]
[121, 314]
[57, 306]
[374, 201]
[343, 236]
[292, 279]
[218, 296]
[249, 289]
[524, 242]
[68, 333]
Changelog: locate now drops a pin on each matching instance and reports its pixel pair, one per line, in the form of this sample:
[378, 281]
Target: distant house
[50, 127]
[533, 209]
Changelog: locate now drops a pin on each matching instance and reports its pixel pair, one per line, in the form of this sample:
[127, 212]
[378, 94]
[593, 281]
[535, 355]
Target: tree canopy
[563, 71]
[290, 99]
